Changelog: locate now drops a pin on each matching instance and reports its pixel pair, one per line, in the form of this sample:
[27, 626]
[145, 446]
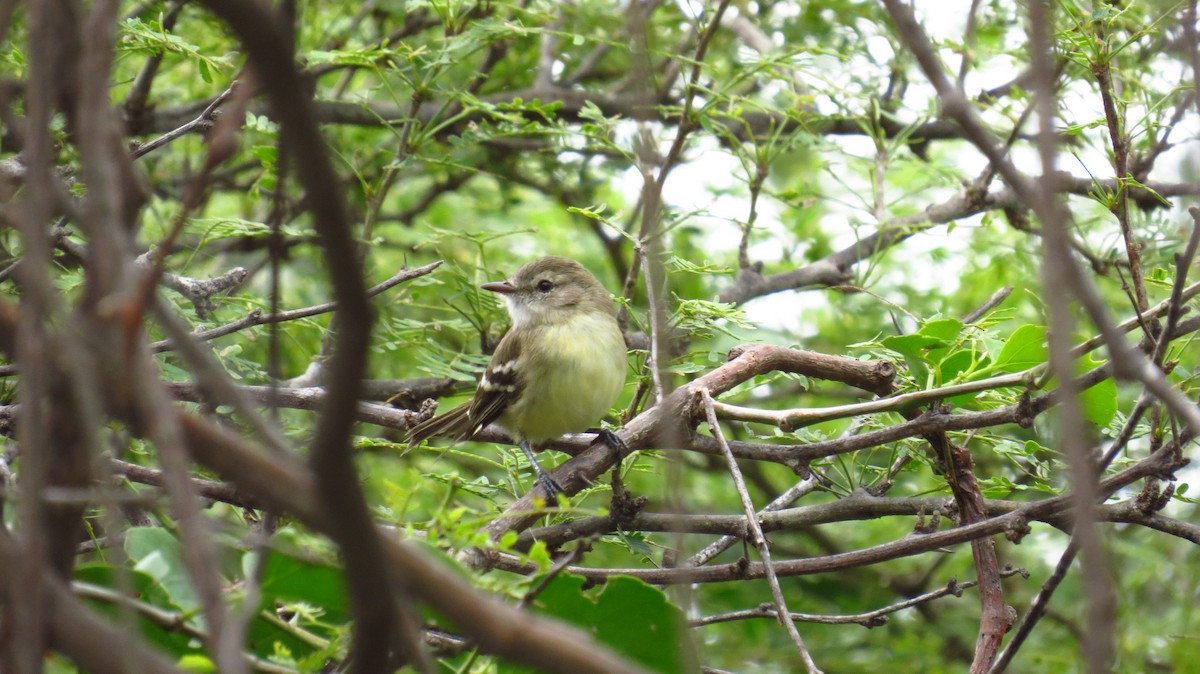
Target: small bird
[558, 370]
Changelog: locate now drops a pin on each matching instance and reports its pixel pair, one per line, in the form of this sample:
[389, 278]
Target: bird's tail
[455, 424]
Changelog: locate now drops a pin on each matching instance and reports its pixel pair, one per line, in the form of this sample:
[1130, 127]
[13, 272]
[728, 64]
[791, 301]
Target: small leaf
[1098, 403]
[942, 328]
[953, 364]
[912, 343]
[914, 348]
[157, 553]
[197, 663]
[1025, 348]
[631, 617]
[288, 578]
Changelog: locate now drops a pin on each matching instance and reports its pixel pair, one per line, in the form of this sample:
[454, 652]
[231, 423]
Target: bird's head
[551, 290]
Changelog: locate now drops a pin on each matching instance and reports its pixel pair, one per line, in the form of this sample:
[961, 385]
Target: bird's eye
[544, 286]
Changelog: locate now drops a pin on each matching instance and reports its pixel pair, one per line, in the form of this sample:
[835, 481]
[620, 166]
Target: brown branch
[92, 641]
[992, 302]
[202, 122]
[834, 269]
[494, 626]
[994, 620]
[856, 507]
[647, 428]
[216, 491]
[376, 617]
[876, 618]
[256, 317]
[1161, 463]
[756, 534]
[572, 102]
[1120, 148]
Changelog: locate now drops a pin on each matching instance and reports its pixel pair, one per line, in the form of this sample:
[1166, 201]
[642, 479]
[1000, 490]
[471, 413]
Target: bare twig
[202, 122]
[874, 618]
[256, 318]
[1183, 262]
[167, 620]
[496, 627]
[370, 579]
[756, 535]
[991, 303]
[793, 493]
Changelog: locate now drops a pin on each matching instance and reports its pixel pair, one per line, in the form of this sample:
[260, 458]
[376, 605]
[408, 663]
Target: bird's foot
[550, 487]
[612, 440]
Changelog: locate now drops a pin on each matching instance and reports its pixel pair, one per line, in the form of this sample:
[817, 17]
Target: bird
[558, 370]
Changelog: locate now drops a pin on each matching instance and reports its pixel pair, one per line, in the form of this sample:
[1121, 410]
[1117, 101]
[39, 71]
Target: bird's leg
[552, 488]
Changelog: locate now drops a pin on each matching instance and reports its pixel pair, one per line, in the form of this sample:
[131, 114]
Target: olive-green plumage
[558, 370]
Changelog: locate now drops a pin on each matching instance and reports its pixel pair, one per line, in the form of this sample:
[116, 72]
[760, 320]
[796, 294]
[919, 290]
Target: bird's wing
[501, 384]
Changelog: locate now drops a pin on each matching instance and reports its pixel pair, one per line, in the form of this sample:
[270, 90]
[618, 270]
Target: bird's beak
[502, 287]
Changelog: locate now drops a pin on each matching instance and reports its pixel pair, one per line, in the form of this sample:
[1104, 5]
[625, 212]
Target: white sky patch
[880, 49]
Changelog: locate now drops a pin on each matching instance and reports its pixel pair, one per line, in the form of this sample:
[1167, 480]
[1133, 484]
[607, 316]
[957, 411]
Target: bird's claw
[612, 440]
[551, 488]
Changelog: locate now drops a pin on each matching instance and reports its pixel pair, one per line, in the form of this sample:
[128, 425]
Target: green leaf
[953, 364]
[197, 663]
[287, 578]
[946, 329]
[914, 343]
[1098, 403]
[1025, 348]
[146, 590]
[915, 349]
[626, 614]
[158, 554]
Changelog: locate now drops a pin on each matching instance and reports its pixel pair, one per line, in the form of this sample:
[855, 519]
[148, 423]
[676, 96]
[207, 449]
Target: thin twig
[875, 618]
[256, 317]
[760, 541]
[559, 567]
[167, 620]
[1102, 70]
[991, 303]
[202, 121]
[793, 493]
[1183, 262]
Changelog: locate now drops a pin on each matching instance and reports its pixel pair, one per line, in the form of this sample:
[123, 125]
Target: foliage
[815, 193]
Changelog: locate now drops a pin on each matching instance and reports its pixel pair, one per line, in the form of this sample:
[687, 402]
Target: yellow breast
[575, 372]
